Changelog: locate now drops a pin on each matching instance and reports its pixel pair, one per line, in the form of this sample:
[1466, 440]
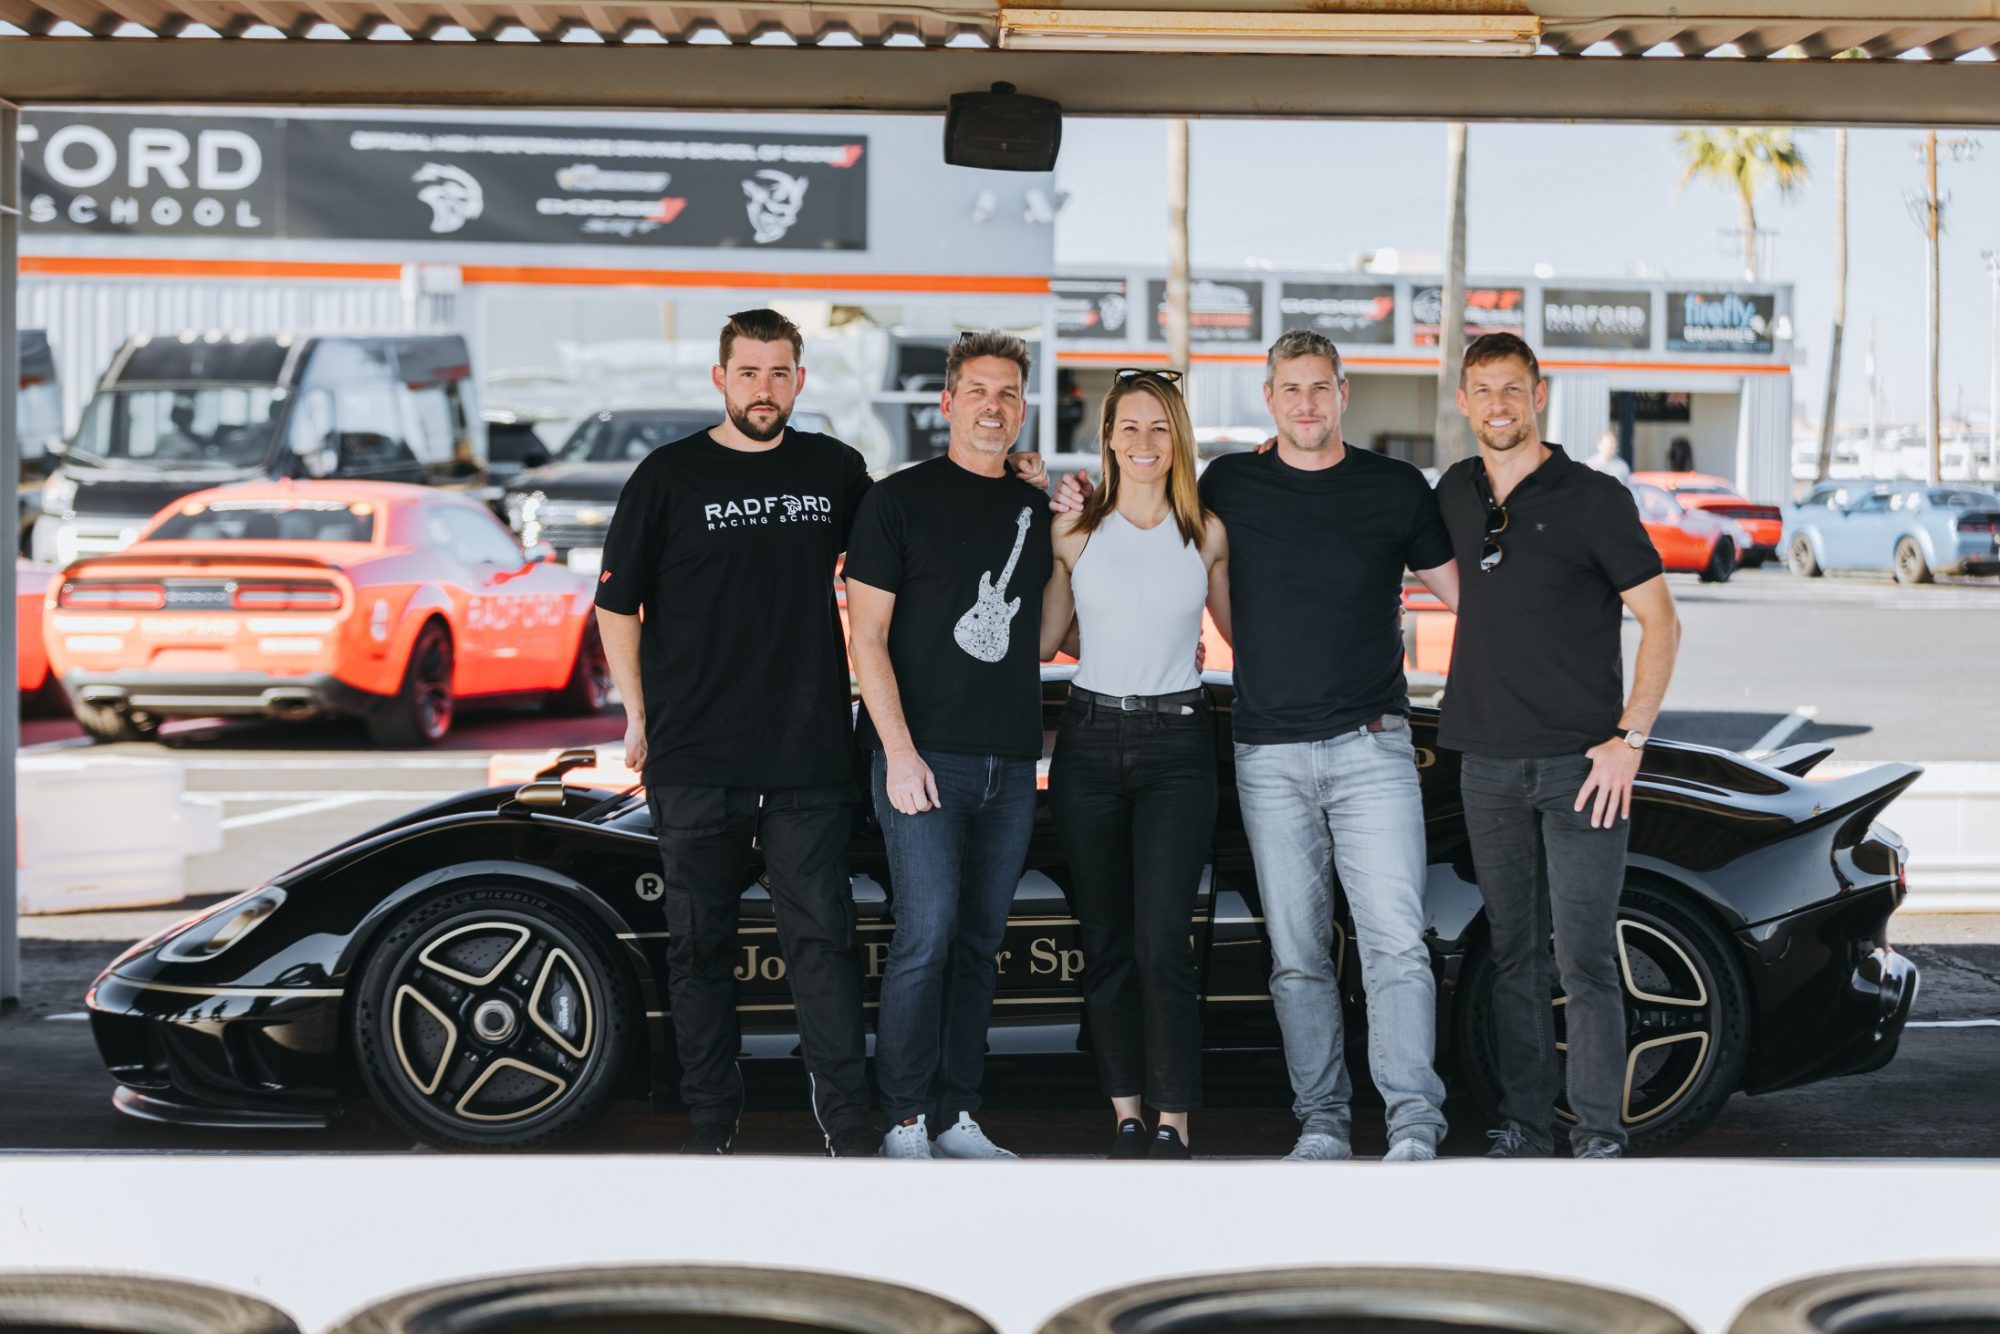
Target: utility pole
[1448, 427]
[1827, 416]
[1930, 210]
[1874, 398]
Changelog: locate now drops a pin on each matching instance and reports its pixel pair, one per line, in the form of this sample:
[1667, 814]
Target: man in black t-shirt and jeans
[1549, 554]
[1319, 537]
[944, 596]
[737, 715]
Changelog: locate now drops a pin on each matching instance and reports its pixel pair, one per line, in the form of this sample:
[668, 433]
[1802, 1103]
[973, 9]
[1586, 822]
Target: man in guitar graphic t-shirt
[945, 569]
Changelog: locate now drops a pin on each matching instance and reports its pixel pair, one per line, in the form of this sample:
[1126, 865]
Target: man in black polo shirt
[1548, 551]
[1319, 537]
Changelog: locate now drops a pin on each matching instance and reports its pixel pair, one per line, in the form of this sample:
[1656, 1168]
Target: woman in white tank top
[1132, 783]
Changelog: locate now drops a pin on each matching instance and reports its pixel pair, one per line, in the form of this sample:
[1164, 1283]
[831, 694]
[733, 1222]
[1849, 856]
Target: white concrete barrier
[107, 832]
[1950, 818]
[1013, 1241]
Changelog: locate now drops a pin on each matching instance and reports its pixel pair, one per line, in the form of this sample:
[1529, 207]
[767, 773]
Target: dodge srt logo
[455, 197]
[775, 200]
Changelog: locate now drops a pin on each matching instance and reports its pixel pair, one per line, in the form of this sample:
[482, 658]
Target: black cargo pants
[706, 836]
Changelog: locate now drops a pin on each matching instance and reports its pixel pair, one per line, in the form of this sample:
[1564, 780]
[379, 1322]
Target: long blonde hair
[1183, 497]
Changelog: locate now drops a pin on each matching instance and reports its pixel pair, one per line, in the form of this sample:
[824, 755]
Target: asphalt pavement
[1880, 671]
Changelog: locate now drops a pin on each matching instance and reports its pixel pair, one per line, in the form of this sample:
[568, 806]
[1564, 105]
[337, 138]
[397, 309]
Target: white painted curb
[1950, 818]
[106, 832]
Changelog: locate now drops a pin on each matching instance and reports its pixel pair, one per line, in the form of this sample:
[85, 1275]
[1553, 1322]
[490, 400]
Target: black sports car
[489, 969]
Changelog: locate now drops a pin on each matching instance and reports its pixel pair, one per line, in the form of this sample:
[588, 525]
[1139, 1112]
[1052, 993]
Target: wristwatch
[1635, 738]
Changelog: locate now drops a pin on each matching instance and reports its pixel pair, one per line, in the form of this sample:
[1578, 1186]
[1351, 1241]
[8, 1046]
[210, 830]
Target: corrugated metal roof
[1755, 29]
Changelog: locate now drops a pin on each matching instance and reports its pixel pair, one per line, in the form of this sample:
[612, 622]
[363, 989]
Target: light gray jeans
[1348, 804]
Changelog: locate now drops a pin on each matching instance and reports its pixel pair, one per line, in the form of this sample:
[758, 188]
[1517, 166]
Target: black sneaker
[1130, 1141]
[714, 1137]
[1167, 1144]
[862, 1141]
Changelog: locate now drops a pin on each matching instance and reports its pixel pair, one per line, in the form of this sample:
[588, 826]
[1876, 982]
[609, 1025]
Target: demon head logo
[793, 506]
[454, 196]
[775, 199]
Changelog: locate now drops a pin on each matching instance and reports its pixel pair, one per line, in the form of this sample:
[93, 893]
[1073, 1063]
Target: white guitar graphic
[983, 630]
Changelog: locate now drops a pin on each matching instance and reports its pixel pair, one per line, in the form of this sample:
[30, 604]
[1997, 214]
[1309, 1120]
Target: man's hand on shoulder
[1029, 467]
[1069, 497]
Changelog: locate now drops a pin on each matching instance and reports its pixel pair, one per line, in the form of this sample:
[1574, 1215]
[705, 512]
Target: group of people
[963, 574]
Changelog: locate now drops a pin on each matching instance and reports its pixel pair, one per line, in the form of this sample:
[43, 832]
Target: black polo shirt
[1537, 667]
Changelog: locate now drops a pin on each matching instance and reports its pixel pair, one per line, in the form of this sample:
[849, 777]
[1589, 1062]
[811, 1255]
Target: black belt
[1180, 704]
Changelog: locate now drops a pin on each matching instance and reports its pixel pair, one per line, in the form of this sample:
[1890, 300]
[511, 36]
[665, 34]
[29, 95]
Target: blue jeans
[1349, 805]
[952, 872]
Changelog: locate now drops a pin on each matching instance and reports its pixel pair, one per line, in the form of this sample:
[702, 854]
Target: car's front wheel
[1911, 567]
[1687, 1022]
[491, 1018]
[1801, 558]
[1721, 563]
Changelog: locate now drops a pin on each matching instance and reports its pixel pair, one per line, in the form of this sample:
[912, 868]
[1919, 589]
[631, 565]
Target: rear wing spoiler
[1859, 798]
[129, 557]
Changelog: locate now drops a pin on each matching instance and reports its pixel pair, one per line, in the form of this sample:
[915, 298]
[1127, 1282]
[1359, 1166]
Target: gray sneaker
[964, 1139]
[1409, 1149]
[1598, 1147]
[1511, 1141]
[1316, 1146]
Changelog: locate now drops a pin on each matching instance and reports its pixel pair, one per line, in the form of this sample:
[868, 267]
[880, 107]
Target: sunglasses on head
[1136, 372]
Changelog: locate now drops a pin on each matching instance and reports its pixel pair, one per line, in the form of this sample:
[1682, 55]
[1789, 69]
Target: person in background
[1132, 784]
[1550, 556]
[1607, 459]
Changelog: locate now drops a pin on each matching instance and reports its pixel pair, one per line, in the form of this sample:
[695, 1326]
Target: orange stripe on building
[719, 278]
[1093, 357]
[103, 266]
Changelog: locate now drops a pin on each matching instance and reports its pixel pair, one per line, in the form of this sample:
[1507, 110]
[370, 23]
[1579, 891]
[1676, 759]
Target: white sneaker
[964, 1139]
[1316, 1146]
[1409, 1150]
[910, 1141]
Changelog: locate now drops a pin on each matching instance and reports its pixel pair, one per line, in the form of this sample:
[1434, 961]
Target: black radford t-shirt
[729, 555]
[967, 557]
[1316, 563]
[1537, 667]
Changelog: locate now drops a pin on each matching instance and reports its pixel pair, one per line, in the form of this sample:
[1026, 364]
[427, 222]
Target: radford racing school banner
[187, 176]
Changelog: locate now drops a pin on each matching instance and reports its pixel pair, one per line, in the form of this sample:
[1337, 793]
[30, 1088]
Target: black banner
[1487, 310]
[1720, 321]
[95, 174]
[1592, 317]
[1094, 308]
[437, 181]
[1218, 312]
[1344, 312]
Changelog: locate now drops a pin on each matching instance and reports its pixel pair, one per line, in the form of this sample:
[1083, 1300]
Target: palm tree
[1742, 160]
[1178, 335]
[1839, 301]
[1448, 429]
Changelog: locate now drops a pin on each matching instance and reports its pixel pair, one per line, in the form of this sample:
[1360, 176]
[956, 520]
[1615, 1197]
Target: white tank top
[1139, 595]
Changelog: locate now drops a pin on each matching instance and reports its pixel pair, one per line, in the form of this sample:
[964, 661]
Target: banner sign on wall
[1487, 310]
[1093, 308]
[1344, 312]
[1720, 321]
[1218, 312]
[373, 180]
[1589, 317]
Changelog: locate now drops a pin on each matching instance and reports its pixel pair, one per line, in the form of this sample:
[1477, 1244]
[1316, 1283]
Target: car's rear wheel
[420, 714]
[1721, 563]
[1911, 567]
[491, 1018]
[103, 722]
[1687, 1022]
[1801, 558]
[588, 689]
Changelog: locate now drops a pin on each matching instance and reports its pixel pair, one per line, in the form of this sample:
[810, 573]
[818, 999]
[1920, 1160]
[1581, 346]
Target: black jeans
[1544, 871]
[705, 843]
[1133, 795]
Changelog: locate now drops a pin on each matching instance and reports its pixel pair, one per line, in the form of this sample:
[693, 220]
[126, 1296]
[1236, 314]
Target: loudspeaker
[1002, 131]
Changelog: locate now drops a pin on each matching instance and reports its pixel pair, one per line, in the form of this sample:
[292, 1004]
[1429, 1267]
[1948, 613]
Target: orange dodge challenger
[303, 599]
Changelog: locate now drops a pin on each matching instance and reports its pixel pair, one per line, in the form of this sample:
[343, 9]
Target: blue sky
[1587, 200]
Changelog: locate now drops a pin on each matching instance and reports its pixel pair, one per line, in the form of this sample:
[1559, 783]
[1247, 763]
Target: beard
[740, 418]
[1500, 442]
[1299, 438]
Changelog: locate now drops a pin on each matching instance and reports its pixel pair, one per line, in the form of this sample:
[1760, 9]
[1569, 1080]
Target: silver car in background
[1914, 530]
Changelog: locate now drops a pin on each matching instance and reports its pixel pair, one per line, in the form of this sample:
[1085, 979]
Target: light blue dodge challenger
[1914, 529]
